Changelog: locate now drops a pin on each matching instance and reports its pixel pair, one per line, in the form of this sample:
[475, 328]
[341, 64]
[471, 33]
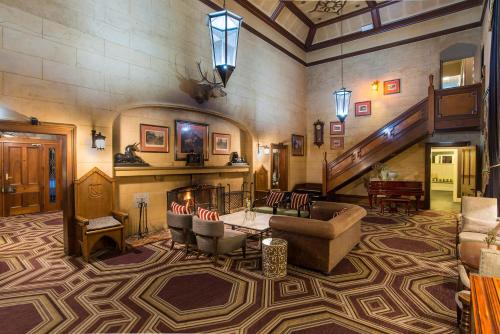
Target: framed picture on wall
[336, 143]
[190, 137]
[392, 86]
[297, 145]
[363, 108]
[154, 138]
[336, 128]
[221, 143]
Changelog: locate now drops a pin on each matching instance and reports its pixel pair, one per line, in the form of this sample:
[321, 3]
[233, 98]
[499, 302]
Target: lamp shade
[224, 33]
[342, 100]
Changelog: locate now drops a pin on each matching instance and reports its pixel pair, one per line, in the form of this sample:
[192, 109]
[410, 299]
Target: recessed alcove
[165, 172]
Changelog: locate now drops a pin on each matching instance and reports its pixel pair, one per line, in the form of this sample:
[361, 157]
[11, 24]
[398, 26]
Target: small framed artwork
[190, 137]
[297, 145]
[392, 86]
[221, 143]
[363, 108]
[336, 143]
[154, 138]
[336, 128]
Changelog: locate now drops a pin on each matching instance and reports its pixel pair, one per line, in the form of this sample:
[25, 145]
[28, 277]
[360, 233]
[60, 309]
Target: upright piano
[395, 189]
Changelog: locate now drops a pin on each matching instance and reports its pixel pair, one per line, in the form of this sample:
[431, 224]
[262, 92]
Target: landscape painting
[221, 143]
[154, 138]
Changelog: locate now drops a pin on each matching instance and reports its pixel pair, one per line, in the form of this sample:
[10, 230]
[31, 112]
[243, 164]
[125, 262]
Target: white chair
[478, 217]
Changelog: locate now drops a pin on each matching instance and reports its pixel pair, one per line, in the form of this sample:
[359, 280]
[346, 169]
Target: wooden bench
[395, 201]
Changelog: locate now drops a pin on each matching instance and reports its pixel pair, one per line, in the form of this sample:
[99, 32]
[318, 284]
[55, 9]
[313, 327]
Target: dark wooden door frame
[68, 135]
[427, 183]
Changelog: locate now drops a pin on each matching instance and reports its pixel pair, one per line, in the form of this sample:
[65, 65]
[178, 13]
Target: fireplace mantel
[182, 170]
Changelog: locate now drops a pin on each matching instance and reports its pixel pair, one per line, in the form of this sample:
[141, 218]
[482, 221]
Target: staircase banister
[413, 109]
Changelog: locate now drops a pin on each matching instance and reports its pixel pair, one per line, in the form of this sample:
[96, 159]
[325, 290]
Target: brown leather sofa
[321, 242]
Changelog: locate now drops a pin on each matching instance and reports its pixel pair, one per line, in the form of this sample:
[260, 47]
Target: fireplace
[210, 197]
[205, 196]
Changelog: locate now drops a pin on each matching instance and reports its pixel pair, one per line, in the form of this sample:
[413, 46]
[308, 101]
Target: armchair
[478, 217]
[181, 229]
[213, 238]
[95, 214]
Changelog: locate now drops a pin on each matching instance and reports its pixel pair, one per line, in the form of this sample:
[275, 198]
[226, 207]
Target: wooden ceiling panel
[404, 9]
[266, 6]
[319, 11]
[350, 26]
[293, 24]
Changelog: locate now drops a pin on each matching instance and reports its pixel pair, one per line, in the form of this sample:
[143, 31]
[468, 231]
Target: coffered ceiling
[317, 24]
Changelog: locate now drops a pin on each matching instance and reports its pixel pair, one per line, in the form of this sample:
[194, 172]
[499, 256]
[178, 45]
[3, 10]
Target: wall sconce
[263, 148]
[98, 140]
[374, 86]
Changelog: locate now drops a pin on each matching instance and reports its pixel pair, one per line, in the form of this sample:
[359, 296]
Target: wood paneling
[485, 296]
[458, 108]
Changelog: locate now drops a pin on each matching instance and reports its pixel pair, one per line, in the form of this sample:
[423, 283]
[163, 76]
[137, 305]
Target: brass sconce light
[98, 140]
[374, 86]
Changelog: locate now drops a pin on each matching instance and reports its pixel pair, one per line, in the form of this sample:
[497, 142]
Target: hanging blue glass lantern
[342, 100]
[224, 33]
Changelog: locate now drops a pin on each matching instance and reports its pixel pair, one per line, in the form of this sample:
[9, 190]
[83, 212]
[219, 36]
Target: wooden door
[468, 171]
[279, 167]
[22, 173]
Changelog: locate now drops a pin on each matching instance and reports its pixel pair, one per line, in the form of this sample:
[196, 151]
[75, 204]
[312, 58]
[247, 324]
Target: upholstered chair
[181, 229]
[478, 217]
[214, 239]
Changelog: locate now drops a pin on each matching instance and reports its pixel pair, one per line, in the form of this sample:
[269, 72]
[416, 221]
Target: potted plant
[491, 238]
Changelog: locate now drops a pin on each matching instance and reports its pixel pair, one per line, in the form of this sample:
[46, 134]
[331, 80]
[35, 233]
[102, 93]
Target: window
[457, 73]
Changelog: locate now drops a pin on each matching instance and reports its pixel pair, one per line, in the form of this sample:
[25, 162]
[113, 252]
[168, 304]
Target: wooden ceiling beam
[450, 9]
[377, 23]
[262, 16]
[300, 14]
[356, 13]
[277, 10]
[371, 4]
[310, 37]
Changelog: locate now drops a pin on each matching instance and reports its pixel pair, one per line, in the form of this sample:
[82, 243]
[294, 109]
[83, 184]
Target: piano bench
[389, 200]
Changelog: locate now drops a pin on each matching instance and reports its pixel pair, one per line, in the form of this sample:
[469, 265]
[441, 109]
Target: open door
[468, 171]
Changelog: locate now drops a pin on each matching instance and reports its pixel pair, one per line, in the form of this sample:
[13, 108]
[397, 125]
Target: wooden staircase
[419, 121]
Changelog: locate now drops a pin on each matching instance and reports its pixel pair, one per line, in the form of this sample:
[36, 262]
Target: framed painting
[221, 143]
[336, 143]
[297, 145]
[336, 128]
[190, 137]
[363, 108]
[392, 86]
[154, 138]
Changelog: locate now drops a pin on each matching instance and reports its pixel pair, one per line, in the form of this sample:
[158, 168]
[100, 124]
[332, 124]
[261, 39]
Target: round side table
[274, 257]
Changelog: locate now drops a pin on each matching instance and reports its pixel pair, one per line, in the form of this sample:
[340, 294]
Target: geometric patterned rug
[401, 279]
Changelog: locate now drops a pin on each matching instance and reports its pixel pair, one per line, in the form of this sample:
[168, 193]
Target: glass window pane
[52, 175]
[457, 73]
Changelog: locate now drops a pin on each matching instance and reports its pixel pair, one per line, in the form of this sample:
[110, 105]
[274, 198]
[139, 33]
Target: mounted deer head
[206, 89]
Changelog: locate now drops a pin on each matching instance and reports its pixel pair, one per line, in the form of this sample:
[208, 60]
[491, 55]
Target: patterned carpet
[400, 280]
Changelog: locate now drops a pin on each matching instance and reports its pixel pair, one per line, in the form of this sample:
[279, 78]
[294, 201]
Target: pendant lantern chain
[341, 53]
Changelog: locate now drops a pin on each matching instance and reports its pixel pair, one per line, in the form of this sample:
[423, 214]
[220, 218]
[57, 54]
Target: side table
[274, 257]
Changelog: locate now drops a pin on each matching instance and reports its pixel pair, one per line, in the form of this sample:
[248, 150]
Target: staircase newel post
[325, 175]
[430, 106]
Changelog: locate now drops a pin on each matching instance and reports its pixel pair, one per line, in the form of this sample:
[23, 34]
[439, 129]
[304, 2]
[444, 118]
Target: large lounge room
[250, 166]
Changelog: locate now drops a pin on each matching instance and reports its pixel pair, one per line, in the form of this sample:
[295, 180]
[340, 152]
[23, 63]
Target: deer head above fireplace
[204, 89]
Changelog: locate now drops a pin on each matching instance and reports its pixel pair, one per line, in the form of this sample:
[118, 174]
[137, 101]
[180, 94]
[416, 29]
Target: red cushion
[205, 214]
[274, 197]
[298, 200]
[179, 209]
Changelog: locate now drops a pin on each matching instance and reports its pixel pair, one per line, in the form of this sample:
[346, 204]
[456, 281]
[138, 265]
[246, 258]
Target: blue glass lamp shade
[224, 33]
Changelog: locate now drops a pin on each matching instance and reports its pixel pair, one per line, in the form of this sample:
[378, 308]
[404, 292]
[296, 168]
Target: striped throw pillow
[179, 209]
[274, 197]
[205, 214]
[298, 200]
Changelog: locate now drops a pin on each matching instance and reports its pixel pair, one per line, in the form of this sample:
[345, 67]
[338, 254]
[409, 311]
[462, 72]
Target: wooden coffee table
[258, 226]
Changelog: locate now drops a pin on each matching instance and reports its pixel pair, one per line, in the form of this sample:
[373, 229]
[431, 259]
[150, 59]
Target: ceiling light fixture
[342, 96]
[224, 29]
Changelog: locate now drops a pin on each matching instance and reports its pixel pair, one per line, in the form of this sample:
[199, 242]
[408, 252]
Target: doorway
[450, 174]
[279, 167]
[31, 174]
